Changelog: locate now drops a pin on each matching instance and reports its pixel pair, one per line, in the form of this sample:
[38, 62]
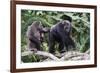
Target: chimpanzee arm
[44, 30]
[33, 39]
[70, 42]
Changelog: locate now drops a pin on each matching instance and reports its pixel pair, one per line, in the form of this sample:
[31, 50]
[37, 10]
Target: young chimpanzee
[60, 33]
[35, 34]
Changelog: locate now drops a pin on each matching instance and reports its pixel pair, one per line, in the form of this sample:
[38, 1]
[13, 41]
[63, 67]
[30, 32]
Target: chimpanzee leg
[51, 47]
[61, 47]
[38, 47]
[65, 42]
[51, 43]
[71, 42]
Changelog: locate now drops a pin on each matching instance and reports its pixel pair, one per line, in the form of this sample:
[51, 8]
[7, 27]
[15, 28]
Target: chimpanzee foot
[62, 51]
[34, 50]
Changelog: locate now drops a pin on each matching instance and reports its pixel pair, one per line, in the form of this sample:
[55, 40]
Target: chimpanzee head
[66, 21]
[66, 25]
[37, 25]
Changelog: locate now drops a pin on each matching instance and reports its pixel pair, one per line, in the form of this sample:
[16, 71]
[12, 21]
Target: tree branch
[70, 55]
[75, 55]
[42, 53]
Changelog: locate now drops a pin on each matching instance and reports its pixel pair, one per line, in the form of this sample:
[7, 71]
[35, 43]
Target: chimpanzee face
[38, 25]
[67, 25]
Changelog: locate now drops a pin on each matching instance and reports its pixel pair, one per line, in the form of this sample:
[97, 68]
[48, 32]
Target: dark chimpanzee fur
[60, 33]
[35, 34]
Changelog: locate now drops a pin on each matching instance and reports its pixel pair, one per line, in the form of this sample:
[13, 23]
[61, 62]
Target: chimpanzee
[35, 34]
[60, 33]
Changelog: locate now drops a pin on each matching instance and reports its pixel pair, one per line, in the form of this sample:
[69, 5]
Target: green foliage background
[80, 28]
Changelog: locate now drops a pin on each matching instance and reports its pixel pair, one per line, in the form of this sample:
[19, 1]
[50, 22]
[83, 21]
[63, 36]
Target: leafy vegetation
[80, 28]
